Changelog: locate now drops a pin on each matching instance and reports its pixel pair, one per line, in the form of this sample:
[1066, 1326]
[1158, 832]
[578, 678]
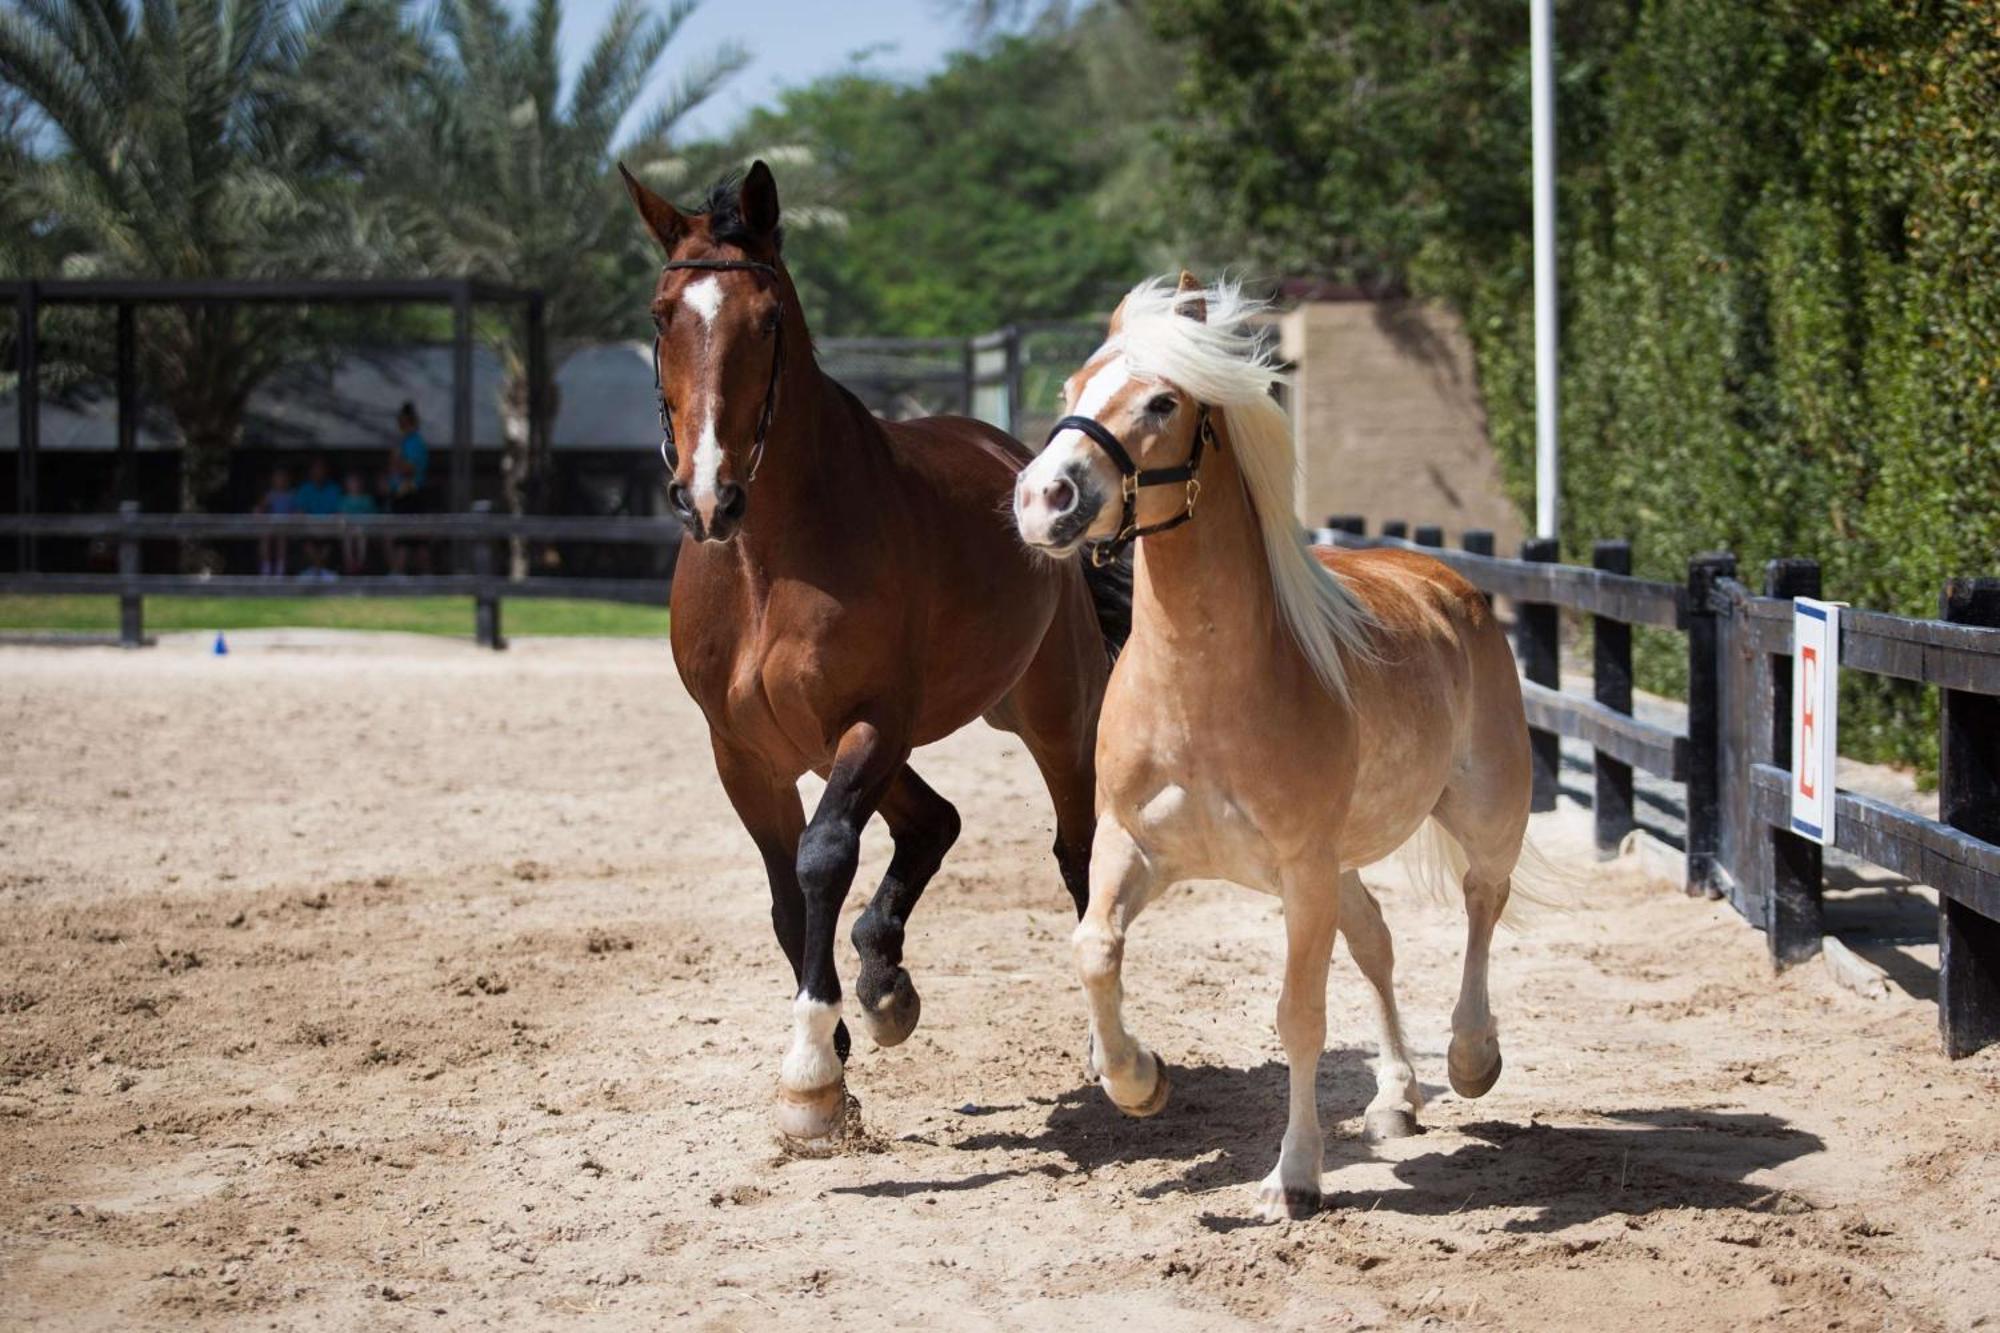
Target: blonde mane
[1222, 362]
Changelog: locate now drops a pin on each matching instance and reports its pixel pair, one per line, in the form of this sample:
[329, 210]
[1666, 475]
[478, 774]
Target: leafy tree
[1781, 261]
[205, 138]
[990, 192]
[505, 175]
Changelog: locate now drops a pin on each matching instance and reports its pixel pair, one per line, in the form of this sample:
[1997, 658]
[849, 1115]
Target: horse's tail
[1111, 592]
[1436, 865]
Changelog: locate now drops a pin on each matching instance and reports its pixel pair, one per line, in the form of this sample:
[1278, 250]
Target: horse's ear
[661, 218]
[1189, 300]
[758, 201]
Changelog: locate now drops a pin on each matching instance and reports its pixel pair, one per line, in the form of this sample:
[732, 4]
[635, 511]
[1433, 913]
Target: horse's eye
[770, 324]
[1162, 405]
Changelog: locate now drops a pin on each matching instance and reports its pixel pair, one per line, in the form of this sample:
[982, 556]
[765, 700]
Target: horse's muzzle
[1054, 515]
[723, 518]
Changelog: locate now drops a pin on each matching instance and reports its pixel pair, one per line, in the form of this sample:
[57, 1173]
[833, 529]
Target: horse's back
[1409, 591]
[958, 450]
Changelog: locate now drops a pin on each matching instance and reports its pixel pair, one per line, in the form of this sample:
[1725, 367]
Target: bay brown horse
[847, 589]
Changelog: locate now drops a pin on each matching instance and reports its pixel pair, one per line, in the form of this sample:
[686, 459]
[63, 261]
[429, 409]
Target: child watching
[279, 499]
[354, 545]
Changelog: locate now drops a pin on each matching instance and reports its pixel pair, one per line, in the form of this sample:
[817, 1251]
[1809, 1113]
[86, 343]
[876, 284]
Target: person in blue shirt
[409, 463]
[356, 501]
[319, 496]
[278, 499]
[409, 469]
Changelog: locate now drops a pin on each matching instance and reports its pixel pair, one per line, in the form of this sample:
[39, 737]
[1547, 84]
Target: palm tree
[507, 177]
[204, 138]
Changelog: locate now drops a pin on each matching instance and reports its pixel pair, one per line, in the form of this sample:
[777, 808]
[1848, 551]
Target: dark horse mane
[724, 207]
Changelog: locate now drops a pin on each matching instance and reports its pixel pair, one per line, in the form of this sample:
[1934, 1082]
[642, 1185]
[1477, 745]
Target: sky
[790, 42]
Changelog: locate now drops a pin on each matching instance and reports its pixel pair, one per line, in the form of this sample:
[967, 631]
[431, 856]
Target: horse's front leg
[768, 804]
[1312, 914]
[811, 1092]
[924, 825]
[1122, 881]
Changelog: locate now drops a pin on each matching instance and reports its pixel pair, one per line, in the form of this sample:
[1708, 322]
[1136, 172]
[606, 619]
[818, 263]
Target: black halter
[667, 450]
[1133, 477]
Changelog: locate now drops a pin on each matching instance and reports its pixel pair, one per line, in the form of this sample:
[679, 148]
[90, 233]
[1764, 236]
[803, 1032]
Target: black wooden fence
[1734, 758]
[473, 538]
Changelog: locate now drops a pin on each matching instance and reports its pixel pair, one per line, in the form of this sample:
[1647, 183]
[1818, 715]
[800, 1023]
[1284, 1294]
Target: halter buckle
[1193, 494]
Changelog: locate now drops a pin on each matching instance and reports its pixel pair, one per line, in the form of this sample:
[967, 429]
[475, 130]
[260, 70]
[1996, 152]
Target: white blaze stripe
[704, 298]
[1112, 376]
[707, 461]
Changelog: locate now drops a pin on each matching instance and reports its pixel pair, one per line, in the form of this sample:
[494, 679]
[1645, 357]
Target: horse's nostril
[677, 496]
[730, 500]
[1060, 495]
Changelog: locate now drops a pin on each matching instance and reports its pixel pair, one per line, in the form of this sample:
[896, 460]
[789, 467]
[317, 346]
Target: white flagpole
[1548, 459]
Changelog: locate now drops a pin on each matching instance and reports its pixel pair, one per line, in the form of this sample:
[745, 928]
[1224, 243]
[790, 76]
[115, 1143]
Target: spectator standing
[318, 495]
[354, 545]
[409, 472]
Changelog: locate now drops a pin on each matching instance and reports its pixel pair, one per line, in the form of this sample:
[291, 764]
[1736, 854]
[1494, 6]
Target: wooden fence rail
[1734, 757]
[476, 532]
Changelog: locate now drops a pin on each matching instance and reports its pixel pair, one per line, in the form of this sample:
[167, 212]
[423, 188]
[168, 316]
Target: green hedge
[1781, 266]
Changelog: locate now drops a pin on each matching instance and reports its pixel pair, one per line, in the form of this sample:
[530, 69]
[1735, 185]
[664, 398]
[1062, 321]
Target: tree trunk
[524, 465]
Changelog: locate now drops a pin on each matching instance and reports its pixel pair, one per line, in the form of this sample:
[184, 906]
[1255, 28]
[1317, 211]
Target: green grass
[416, 615]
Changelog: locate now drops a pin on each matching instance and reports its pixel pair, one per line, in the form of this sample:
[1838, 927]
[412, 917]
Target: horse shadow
[1222, 1127]
[1221, 1123]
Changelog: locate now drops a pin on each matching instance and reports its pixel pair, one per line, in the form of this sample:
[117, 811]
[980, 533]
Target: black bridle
[667, 449]
[1133, 477]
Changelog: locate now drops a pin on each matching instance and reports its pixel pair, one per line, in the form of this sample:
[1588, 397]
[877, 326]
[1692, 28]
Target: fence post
[486, 604]
[1611, 685]
[1396, 528]
[1969, 799]
[1479, 541]
[1792, 918]
[1704, 723]
[131, 603]
[1536, 627]
[1428, 534]
[1015, 380]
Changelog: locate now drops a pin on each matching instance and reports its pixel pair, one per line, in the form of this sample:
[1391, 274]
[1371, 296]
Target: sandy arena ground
[379, 982]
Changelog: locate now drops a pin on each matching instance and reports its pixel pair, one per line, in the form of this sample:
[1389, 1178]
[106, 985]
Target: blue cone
[221, 648]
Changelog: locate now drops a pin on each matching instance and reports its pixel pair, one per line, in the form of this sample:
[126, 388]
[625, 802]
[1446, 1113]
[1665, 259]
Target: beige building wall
[1389, 419]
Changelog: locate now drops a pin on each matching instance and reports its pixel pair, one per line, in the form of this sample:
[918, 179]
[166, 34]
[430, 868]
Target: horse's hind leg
[1473, 1061]
[1392, 1115]
[1490, 833]
[1053, 709]
[924, 825]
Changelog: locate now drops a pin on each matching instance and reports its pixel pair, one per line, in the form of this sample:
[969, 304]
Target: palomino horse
[848, 589]
[1280, 716]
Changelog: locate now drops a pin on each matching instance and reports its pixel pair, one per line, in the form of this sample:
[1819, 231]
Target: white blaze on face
[704, 298]
[1069, 453]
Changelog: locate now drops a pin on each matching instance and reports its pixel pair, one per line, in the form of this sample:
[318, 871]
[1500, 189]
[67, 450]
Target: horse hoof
[892, 1019]
[814, 1114]
[1287, 1203]
[1156, 1101]
[1475, 1085]
[1390, 1122]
